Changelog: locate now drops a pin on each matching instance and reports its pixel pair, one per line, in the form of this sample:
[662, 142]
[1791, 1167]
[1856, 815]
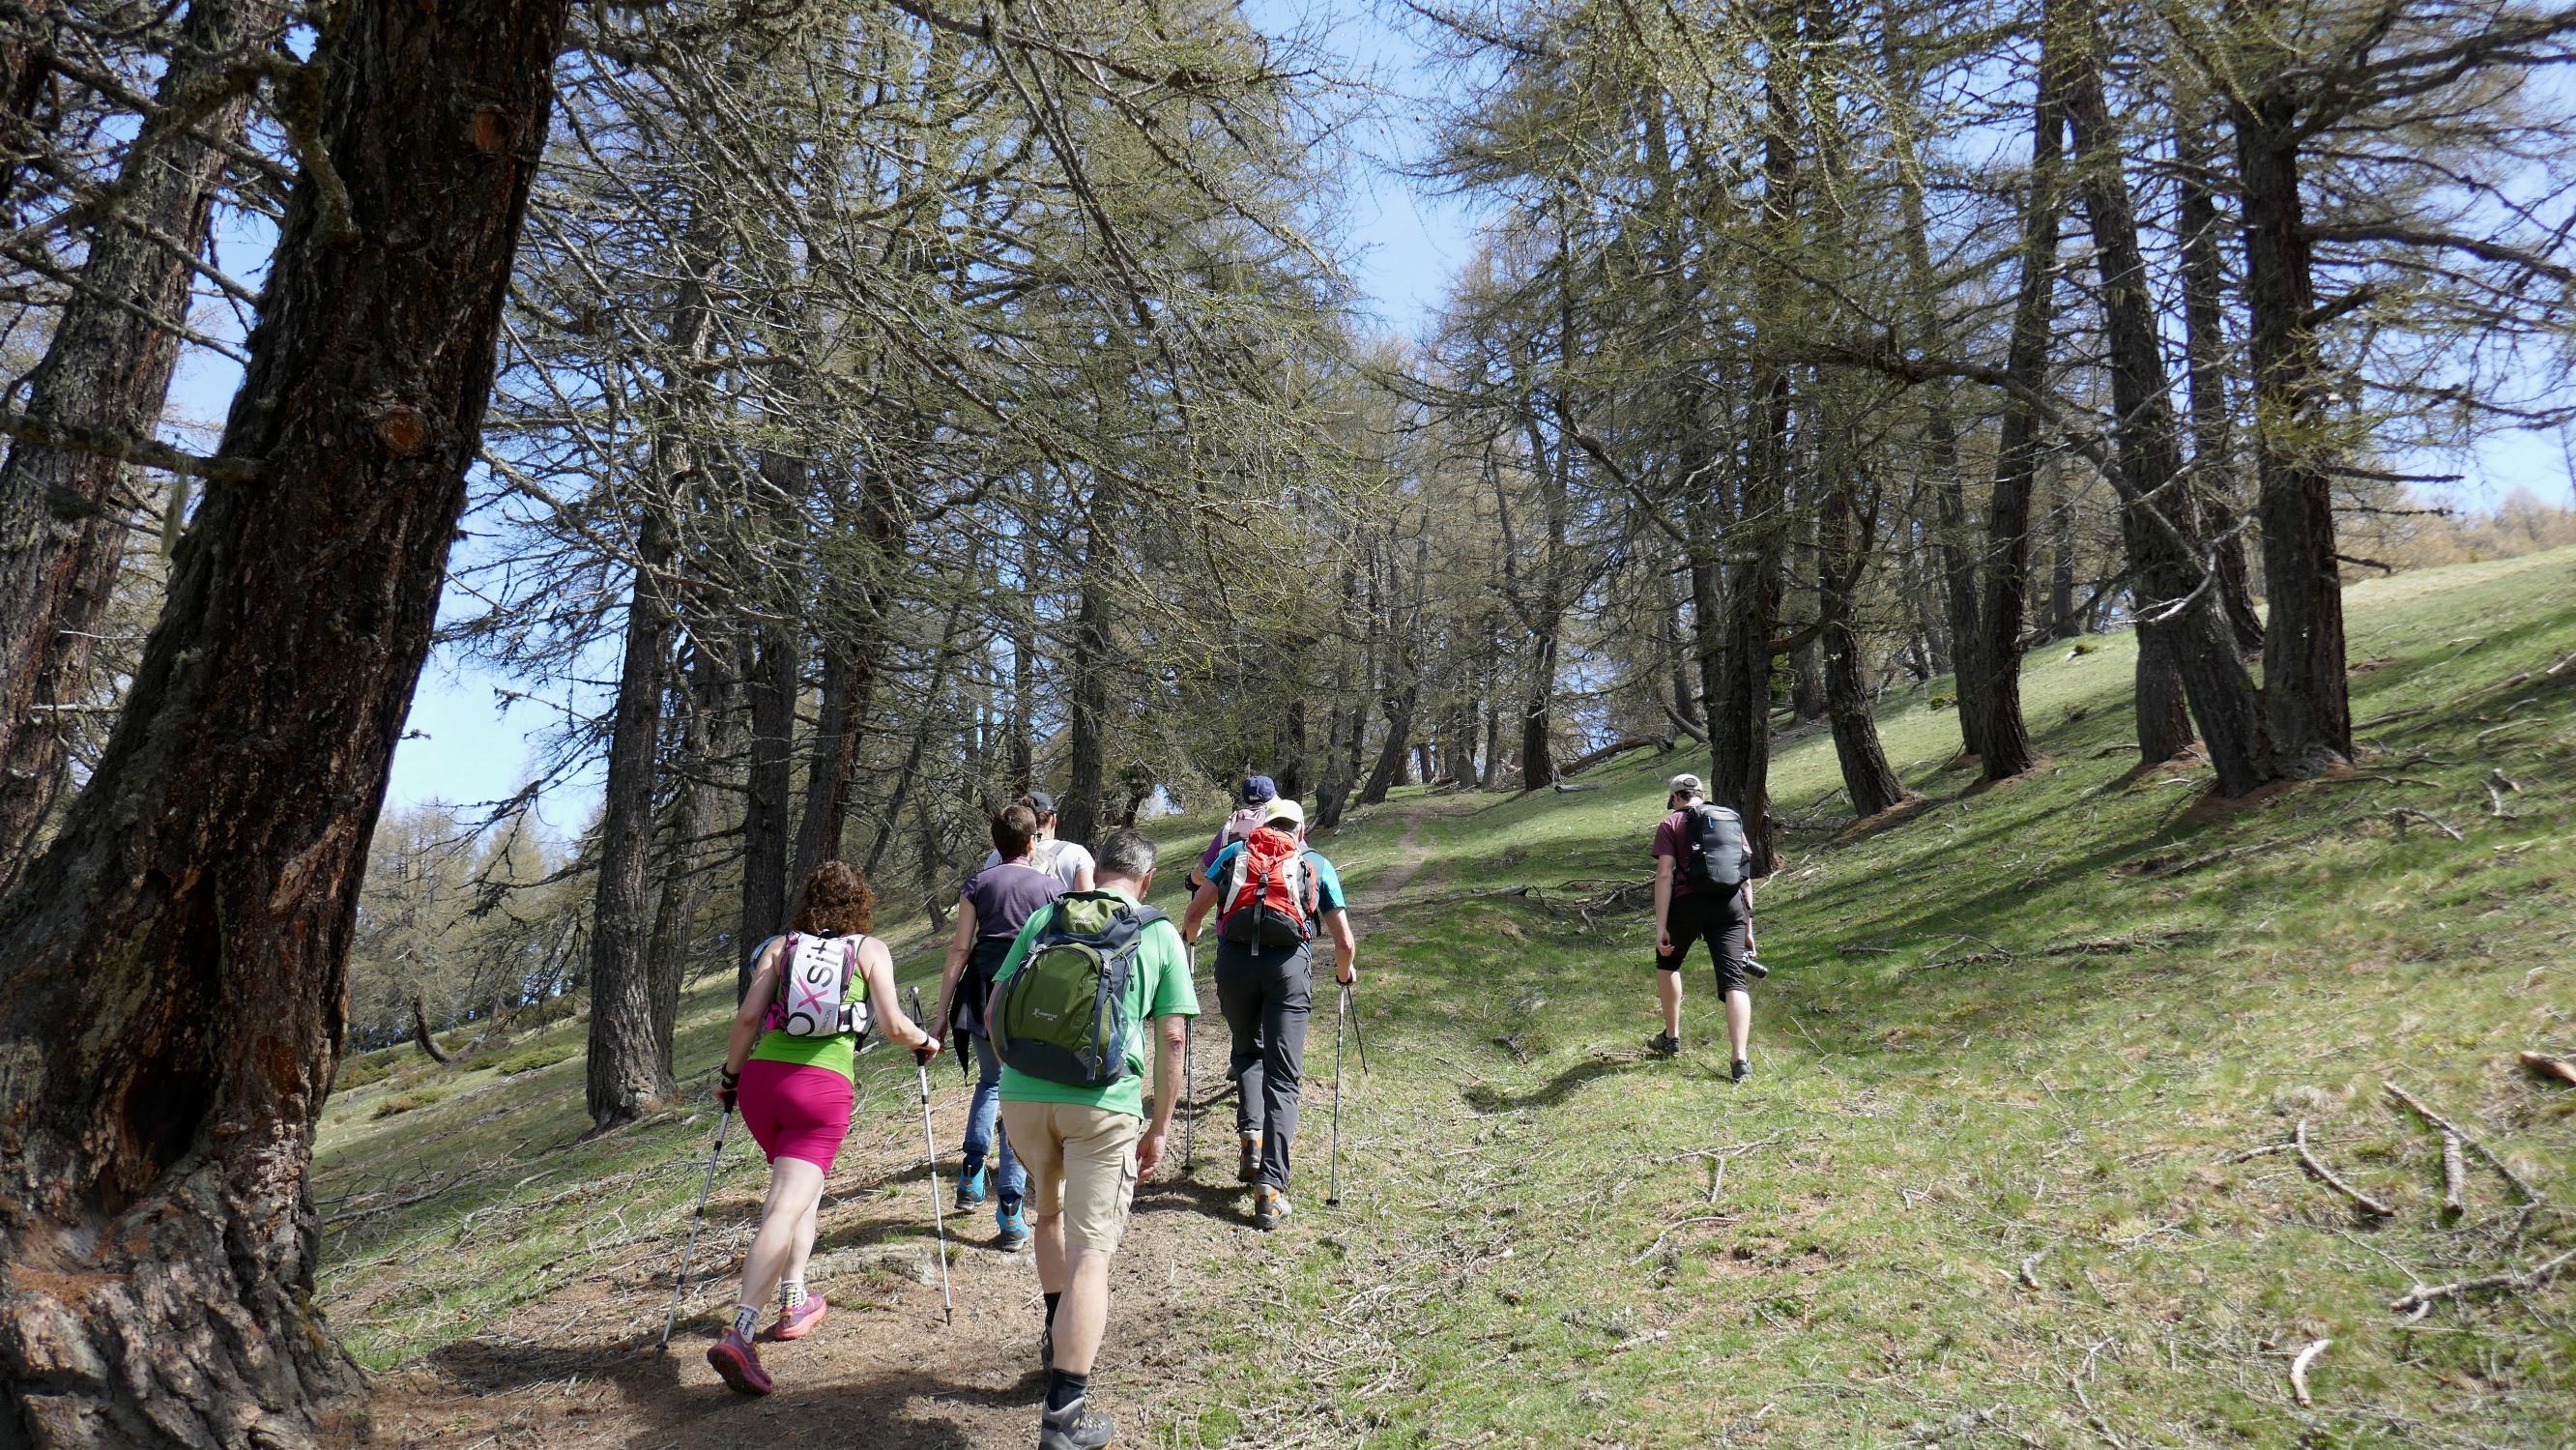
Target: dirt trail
[578, 1368]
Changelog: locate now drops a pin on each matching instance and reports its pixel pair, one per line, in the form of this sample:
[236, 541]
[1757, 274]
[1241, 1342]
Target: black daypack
[1720, 858]
[1062, 1014]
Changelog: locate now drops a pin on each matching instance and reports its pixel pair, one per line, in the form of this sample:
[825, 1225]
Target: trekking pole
[1351, 1002]
[1189, 1077]
[682, 1282]
[1333, 1193]
[930, 1147]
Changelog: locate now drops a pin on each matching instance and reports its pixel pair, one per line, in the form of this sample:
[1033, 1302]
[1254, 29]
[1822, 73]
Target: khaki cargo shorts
[1081, 1163]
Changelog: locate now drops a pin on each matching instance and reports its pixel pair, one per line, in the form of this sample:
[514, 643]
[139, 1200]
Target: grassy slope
[1949, 1113]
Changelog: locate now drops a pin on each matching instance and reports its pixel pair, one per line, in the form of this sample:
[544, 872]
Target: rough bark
[106, 369]
[26, 74]
[2064, 622]
[849, 685]
[1390, 756]
[2007, 749]
[1078, 812]
[2213, 455]
[707, 740]
[2161, 527]
[2304, 696]
[774, 664]
[170, 1017]
[1951, 534]
[626, 1076]
[1807, 682]
[421, 1036]
[1842, 550]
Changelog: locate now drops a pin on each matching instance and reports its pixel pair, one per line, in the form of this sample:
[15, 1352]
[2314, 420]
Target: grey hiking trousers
[1266, 1000]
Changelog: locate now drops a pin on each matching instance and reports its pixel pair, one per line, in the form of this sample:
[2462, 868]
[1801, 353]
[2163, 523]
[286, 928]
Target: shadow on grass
[899, 1407]
[1486, 1098]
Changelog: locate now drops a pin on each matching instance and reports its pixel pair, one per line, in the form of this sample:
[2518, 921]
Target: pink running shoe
[739, 1364]
[800, 1321]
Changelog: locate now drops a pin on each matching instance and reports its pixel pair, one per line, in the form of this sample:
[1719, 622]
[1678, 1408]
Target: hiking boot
[1664, 1044]
[1270, 1208]
[1248, 1168]
[739, 1364]
[1013, 1219]
[800, 1321]
[1742, 1070]
[1075, 1427]
[1753, 967]
[974, 1185]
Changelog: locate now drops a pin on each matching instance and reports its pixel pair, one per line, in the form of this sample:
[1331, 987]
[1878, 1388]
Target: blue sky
[461, 745]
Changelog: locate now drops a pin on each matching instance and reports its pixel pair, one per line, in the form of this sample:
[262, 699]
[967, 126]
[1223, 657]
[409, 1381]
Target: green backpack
[1062, 1015]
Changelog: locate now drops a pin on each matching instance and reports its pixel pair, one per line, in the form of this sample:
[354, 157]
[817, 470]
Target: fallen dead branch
[1657, 1246]
[2455, 1173]
[2520, 1281]
[2299, 1371]
[2497, 783]
[2316, 1167]
[2442, 1124]
[2400, 815]
[2548, 1066]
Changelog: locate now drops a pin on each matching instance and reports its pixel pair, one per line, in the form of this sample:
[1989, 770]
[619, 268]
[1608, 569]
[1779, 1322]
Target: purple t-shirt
[1006, 896]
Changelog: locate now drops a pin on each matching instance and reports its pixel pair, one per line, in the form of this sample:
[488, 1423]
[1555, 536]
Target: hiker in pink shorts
[793, 1069]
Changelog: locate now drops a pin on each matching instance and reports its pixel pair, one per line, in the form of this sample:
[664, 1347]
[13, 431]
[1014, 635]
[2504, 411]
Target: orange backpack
[1269, 896]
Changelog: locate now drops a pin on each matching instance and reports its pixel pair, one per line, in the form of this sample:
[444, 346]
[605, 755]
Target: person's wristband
[728, 1078]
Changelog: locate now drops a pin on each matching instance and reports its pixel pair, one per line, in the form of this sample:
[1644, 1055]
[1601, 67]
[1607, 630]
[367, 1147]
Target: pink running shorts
[796, 1111]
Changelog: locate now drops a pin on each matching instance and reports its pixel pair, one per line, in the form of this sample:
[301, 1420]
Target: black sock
[1063, 1389]
[1051, 1303]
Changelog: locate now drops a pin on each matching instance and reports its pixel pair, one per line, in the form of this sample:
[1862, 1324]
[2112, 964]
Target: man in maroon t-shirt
[1724, 919]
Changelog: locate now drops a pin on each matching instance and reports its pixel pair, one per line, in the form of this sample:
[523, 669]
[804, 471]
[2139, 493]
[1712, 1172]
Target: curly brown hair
[836, 901]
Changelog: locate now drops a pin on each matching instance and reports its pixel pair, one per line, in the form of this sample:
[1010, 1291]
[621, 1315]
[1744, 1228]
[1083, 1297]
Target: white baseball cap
[1686, 784]
[1283, 809]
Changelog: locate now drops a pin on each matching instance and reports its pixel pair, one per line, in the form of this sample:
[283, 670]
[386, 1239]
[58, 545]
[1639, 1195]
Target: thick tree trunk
[2304, 695]
[627, 1076]
[1807, 683]
[707, 741]
[2161, 525]
[2007, 748]
[1842, 552]
[1951, 535]
[172, 1005]
[1390, 756]
[2063, 621]
[2164, 719]
[2213, 455]
[771, 686]
[26, 75]
[421, 1036]
[1087, 753]
[849, 688]
[1538, 715]
[107, 369]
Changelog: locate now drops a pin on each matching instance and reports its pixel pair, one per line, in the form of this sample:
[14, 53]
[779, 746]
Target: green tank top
[839, 1053]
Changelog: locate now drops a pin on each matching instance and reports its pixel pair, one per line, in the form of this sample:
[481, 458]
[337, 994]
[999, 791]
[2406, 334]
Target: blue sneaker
[1013, 1218]
[974, 1186]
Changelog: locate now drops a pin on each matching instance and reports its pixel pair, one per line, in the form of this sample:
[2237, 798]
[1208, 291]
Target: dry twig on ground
[2299, 1370]
[2325, 1175]
[2445, 1125]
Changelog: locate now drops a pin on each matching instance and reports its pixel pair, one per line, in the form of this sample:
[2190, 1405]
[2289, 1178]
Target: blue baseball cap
[1258, 788]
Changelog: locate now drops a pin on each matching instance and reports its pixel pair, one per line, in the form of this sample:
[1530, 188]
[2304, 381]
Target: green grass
[2011, 1062]
[2007, 1044]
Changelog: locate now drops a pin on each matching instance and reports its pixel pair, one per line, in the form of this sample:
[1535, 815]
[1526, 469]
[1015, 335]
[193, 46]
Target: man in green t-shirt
[1084, 1148]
